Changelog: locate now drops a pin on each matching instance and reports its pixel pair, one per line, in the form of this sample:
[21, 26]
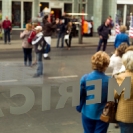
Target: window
[83, 8]
[68, 8]
[27, 13]
[129, 10]
[16, 14]
[120, 12]
[0, 5]
[43, 5]
[83, 0]
[0, 10]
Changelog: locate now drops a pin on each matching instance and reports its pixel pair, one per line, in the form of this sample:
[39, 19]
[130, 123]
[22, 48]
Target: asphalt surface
[64, 67]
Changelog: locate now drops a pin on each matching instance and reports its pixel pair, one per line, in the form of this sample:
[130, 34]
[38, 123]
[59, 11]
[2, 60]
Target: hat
[38, 28]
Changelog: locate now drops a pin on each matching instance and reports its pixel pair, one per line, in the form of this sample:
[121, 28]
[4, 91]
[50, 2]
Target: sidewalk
[87, 42]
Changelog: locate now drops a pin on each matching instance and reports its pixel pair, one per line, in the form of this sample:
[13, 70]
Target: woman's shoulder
[123, 35]
[123, 75]
[26, 32]
[114, 57]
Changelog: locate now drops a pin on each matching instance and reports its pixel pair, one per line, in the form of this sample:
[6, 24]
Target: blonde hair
[100, 61]
[123, 29]
[127, 59]
[28, 27]
[130, 48]
[121, 49]
[34, 25]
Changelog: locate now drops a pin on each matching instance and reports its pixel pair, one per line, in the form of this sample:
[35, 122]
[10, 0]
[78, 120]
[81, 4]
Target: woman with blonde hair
[122, 37]
[68, 35]
[116, 58]
[124, 114]
[27, 48]
[91, 113]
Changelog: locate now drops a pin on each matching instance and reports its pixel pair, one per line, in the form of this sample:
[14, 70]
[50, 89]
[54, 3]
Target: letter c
[29, 100]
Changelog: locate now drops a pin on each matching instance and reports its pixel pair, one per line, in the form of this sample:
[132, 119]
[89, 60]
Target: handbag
[109, 112]
[66, 37]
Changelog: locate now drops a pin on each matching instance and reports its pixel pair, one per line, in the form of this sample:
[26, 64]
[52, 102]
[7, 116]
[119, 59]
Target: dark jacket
[66, 20]
[104, 31]
[48, 28]
[39, 43]
[62, 28]
[120, 38]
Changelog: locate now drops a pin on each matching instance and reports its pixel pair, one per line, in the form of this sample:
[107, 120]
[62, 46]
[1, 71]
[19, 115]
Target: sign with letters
[65, 94]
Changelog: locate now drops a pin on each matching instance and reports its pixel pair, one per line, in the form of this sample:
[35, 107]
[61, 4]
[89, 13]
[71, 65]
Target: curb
[79, 46]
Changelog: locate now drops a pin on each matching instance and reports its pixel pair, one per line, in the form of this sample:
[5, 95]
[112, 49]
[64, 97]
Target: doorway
[57, 12]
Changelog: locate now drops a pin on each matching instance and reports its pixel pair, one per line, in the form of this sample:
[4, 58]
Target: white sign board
[124, 1]
[112, 37]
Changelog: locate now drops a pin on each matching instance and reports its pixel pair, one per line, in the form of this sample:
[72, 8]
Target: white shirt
[89, 26]
[115, 64]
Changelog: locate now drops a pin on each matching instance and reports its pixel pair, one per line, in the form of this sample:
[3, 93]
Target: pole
[80, 25]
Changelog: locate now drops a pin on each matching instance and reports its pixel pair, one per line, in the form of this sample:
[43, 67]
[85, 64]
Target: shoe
[36, 76]
[47, 58]
[4, 42]
[35, 63]
[116, 125]
[9, 43]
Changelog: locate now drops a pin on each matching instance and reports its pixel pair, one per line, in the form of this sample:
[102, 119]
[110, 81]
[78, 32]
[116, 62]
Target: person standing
[122, 37]
[61, 34]
[65, 19]
[69, 34]
[124, 113]
[7, 26]
[103, 31]
[91, 113]
[48, 30]
[116, 58]
[39, 44]
[27, 48]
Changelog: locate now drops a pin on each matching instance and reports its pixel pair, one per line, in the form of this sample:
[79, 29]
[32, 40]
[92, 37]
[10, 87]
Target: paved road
[65, 67]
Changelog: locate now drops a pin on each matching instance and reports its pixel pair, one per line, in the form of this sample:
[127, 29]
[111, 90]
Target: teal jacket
[93, 111]
[120, 38]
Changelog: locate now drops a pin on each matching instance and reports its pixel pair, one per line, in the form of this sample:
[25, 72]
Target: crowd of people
[121, 63]
[38, 38]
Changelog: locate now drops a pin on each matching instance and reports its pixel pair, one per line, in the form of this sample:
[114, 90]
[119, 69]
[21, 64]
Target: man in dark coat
[61, 32]
[104, 31]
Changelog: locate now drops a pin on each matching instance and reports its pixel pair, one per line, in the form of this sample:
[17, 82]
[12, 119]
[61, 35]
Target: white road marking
[5, 81]
[60, 77]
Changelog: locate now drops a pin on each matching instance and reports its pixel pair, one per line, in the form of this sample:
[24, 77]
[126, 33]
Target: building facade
[22, 11]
